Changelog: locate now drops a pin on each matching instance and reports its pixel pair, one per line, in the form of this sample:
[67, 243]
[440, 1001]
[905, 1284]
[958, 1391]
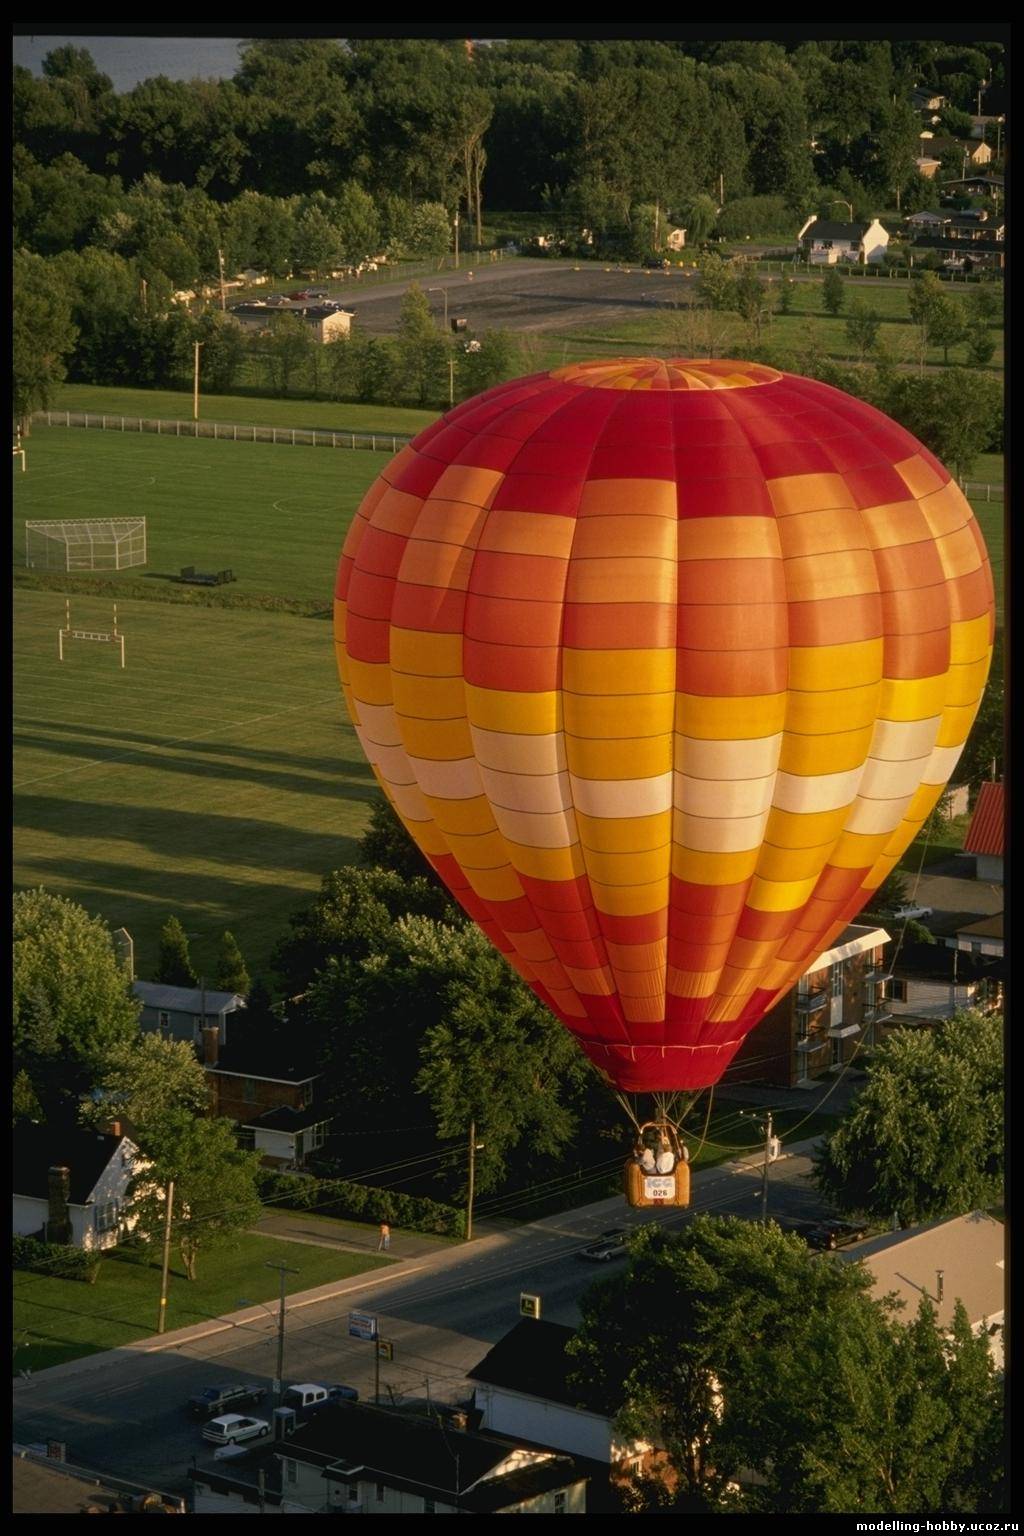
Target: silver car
[232, 1428]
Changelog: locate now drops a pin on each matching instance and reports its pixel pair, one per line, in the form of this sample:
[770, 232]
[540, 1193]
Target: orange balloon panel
[663, 665]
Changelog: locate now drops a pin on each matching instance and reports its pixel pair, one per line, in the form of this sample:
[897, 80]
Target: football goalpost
[85, 544]
[18, 450]
[104, 636]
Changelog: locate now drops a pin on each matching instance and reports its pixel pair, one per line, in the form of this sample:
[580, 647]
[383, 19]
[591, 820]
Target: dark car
[211, 1402]
[342, 1394]
[827, 1236]
[604, 1251]
[316, 293]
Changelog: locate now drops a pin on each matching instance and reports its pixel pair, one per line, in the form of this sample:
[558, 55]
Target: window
[381, 1493]
[316, 1136]
[559, 1503]
[837, 979]
[105, 1216]
[353, 1493]
[897, 990]
[307, 1094]
[249, 1090]
[428, 1507]
[291, 1471]
[837, 1053]
[246, 1137]
[163, 1020]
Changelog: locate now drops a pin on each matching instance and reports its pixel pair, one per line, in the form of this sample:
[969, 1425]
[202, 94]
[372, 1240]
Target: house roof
[965, 243]
[832, 229]
[948, 893]
[288, 1119]
[531, 1358]
[356, 1442]
[976, 181]
[970, 1251]
[937, 962]
[53, 1488]
[985, 833]
[38, 1148]
[287, 1061]
[985, 928]
[154, 994]
[926, 216]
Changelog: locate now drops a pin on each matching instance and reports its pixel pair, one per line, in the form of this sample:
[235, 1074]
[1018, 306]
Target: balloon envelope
[663, 665]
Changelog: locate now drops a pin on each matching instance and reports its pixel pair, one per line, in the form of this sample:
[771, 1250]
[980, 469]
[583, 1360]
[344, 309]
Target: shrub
[755, 216]
[57, 1259]
[361, 1202]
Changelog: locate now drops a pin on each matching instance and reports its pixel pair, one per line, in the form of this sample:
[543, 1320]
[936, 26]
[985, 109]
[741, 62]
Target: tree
[144, 1081]
[73, 1005]
[215, 1191]
[284, 350]
[174, 967]
[318, 243]
[232, 975]
[957, 415]
[981, 344]
[923, 1137]
[986, 743]
[832, 292]
[430, 232]
[717, 281]
[358, 224]
[697, 215]
[898, 145]
[422, 350]
[491, 360]
[43, 335]
[862, 326]
[752, 299]
[947, 325]
[787, 292]
[386, 844]
[924, 301]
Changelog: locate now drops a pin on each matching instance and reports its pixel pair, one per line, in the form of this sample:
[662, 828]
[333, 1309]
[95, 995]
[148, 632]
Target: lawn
[176, 405]
[58, 1320]
[217, 777]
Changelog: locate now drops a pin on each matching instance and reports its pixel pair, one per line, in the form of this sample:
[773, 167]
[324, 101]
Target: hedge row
[57, 1259]
[173, 592]
[361, 1202]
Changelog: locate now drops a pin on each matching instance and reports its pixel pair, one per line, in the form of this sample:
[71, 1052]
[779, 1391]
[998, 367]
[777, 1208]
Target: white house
[70, 1184]
[982, 937]
[326, 323]
[932, 982]
[676, 239]
[827, 241]
[945, 1261]
[521, 1390]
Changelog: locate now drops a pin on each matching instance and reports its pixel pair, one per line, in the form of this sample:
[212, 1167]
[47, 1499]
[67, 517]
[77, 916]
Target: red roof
[985, 833]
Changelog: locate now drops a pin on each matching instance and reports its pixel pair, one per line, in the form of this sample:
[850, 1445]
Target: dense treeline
[598, 130]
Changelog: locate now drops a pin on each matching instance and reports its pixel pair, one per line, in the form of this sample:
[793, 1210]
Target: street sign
[529, 1306]
[362, 1326]
[385, 1349]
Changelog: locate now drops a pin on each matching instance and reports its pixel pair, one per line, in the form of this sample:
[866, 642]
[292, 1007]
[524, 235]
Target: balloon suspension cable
[707, 1121]
[629, 1110]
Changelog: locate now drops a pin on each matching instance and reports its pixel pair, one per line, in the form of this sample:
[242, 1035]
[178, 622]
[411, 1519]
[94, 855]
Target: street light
[844, 203]
[243, 1301]
[195, 388]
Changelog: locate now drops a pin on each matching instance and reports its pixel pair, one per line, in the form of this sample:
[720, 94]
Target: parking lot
[527, 296]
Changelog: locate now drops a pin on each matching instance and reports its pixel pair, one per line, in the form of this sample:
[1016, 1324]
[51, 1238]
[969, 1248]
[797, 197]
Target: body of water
[127, 60]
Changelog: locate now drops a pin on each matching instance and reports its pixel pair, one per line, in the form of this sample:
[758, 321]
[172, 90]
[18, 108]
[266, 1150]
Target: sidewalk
[296, 1227]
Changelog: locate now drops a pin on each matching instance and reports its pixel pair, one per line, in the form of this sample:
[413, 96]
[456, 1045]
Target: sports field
[217, 776]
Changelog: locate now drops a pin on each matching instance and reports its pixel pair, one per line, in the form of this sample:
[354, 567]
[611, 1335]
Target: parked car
[604, 1251]
[827, 1236]
[911, 911]
[301, 294]
[316, 293]
[342, 1394]
[214, 1400]
[232, 1428]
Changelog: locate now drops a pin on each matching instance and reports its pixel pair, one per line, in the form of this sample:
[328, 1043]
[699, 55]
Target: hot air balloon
[663, 664]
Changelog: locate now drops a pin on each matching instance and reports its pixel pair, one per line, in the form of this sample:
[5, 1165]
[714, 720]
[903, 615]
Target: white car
[234, 1427]
[912, 911]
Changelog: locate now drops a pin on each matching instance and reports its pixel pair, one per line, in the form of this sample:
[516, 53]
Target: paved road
[120, 1413]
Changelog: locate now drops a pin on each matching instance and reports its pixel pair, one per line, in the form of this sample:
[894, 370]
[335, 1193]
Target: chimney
[113, 1128]
[211, 1044]
[58, 1225]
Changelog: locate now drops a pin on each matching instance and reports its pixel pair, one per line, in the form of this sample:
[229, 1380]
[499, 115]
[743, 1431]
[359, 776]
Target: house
[947, 1261]
[977, 186]
[181, 1012]
[70, 1184]
[961, 252]
[931, 982]
[43, 1484]
[836, 1006]
[983, 936]
[927, 220]
[924, 100]
[355, 1458]
[983, 126]
[985, 834]
[253, 277]
[266, 1087]
[927, 165]
[975, 224]
[826, 241]
[522, 1391]
[675, 240]
[326, 323]
[972, 151]
[285, 1137]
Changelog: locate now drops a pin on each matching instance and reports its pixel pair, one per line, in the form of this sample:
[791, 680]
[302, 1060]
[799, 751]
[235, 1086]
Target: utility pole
[474, 1147]
[162, 1312]
[764, 1176]
[721, 188]
[451, 381]
[456, 239]
[220, 259]
[145, 303]
[195, 384]
[279, 1380]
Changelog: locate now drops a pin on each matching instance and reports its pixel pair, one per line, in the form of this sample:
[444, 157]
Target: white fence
[227, 431]
[981, 490]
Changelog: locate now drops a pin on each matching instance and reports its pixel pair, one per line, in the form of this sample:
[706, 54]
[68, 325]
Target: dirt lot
[528, 296]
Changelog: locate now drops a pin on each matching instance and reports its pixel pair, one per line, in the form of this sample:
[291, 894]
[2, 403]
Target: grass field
[176, 405]
[217, 777]
[57, 1320]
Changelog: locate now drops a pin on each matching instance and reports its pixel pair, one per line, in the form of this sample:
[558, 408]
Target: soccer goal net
[86, 544]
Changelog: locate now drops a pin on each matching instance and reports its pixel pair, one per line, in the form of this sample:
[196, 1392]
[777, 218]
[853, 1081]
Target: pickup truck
[211, 1402]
